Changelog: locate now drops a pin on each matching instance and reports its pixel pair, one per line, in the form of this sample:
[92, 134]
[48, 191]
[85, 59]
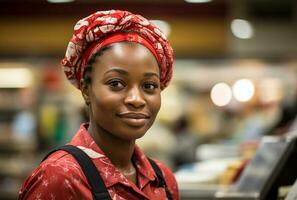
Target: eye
[150, 86]
[116, 84]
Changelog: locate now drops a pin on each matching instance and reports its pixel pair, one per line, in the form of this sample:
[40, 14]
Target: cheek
[104, 103]
[155, 104]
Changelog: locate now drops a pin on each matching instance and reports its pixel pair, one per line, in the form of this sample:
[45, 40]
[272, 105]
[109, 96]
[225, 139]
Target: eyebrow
[120, 71]
[124, 72]
[149, 74]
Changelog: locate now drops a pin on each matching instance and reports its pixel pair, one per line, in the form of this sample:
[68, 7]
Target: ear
[85, 91]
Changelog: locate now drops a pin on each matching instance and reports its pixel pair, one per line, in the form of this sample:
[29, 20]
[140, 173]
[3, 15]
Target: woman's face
[124, 94]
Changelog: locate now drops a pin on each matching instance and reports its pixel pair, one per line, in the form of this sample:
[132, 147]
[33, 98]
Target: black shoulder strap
[160, 178]
[96, 183]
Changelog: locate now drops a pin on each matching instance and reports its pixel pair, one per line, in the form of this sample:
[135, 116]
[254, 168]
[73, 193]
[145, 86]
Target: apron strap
[160, 178]
[98, 187]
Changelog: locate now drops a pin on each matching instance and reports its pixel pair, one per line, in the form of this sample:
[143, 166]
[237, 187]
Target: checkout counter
[273, 167]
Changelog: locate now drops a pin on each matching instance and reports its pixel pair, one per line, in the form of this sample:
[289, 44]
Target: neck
[119, 151]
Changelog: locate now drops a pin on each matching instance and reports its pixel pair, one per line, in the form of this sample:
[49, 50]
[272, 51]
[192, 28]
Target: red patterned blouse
[60, 176]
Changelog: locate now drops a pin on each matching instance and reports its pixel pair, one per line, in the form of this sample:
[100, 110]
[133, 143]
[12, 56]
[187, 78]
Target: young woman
[121, 62]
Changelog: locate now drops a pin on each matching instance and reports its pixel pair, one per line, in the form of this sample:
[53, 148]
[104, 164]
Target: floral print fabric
[103, 23]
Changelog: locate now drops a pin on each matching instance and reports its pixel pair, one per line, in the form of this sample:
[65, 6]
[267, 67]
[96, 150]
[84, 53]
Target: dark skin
[123, 99]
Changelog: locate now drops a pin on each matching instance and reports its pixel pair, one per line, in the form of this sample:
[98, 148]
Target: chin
[131, 132]
[134, 134]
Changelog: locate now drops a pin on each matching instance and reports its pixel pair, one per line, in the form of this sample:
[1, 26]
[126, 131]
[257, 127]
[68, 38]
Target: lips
[135, 119]
[134, 115]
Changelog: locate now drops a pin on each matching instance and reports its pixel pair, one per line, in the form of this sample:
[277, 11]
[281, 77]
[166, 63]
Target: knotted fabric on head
[106, 27]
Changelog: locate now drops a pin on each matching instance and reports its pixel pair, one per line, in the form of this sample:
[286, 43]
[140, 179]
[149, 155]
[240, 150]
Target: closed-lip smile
[134, 115]
[134, 119]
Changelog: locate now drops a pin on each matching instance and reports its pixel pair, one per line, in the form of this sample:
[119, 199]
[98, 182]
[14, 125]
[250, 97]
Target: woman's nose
[135, 98]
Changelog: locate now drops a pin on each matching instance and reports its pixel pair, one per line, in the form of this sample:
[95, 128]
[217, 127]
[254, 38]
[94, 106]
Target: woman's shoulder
[60, 162]
[58, 175]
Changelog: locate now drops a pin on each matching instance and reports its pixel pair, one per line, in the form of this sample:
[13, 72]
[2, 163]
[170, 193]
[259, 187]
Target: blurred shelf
[9, 189]
[11, 194]
[15, 168]
[10, 108]
[17, 151]
[10, 144]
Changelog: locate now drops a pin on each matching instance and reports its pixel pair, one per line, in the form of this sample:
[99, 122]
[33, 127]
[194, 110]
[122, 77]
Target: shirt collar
[109, 173]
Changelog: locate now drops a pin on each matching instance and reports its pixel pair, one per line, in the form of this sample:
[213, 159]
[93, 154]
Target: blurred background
[235, 81]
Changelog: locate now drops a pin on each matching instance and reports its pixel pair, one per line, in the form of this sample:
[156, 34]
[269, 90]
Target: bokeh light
[221, 94]
[242, 29]
[243, 90]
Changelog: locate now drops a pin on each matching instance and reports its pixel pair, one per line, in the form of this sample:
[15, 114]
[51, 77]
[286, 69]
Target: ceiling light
[198, 1]
[15, 77]
[242, 29]
[60, 1]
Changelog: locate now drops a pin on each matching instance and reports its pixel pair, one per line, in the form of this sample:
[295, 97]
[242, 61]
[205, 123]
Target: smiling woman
[121, 62]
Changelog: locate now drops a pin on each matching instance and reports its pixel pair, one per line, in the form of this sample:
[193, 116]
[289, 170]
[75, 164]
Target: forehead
[127, 55]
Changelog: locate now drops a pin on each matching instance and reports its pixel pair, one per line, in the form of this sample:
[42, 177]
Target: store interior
[232, 99]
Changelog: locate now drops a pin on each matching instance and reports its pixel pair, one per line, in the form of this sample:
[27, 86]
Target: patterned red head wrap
[106, 27]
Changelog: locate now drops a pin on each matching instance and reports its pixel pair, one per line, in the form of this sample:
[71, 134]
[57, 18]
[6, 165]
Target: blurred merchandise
[262, 177]
[214, 151]
[232, 172]
[24, 125]
[292, 193]
[17, 129]
[207, 172]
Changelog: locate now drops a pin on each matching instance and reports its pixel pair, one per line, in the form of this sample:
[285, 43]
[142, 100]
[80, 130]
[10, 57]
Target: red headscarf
[106, 27]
